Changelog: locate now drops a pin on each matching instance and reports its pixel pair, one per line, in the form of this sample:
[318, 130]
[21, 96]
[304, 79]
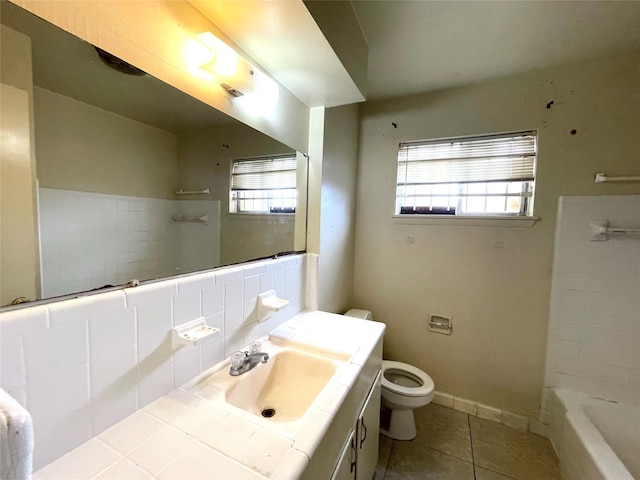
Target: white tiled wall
[81, 365]
[91, 239]
[594, 323]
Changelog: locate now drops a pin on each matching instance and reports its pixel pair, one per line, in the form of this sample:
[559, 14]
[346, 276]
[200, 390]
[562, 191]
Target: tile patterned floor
[452, 445]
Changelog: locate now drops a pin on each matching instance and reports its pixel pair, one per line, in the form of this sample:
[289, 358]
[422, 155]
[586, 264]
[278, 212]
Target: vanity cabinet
[349, 448]
[367, 433]
[346, 466]
[359, 454]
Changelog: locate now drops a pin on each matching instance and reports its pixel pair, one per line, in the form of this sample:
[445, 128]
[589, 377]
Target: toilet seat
[424, 390]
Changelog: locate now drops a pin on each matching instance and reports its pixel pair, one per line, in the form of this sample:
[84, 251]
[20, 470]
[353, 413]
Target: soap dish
[268, 304]
[192, 333]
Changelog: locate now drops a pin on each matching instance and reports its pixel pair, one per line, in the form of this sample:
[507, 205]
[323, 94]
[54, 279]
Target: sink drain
[268, 412]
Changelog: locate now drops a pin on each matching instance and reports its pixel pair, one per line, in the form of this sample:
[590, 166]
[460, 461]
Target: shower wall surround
[81, 365]
[594, 321]
[89, 240]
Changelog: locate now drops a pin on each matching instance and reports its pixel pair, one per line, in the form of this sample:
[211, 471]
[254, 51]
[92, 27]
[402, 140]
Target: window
[263, 185]
[485, 175]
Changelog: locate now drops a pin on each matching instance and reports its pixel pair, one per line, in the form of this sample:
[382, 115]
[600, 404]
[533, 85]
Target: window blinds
[272, 173]
[508, 157]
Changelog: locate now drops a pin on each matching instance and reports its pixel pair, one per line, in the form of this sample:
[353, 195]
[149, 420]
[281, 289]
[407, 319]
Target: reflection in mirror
[133, 176]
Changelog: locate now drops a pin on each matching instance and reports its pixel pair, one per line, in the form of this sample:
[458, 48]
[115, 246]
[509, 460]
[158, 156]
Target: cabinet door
[346, 466]
[367, 431]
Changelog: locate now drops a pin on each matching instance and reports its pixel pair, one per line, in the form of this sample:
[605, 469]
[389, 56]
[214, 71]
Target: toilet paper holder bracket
[439, 324]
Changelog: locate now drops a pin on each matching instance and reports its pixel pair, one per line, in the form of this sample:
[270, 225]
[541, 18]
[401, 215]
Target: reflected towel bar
[193, 192]
[196, 219]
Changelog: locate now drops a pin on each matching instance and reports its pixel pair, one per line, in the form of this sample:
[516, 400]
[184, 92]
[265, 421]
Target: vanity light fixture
[208, 56]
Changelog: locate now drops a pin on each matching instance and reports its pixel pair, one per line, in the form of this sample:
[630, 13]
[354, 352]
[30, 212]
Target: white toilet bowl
[404, 388]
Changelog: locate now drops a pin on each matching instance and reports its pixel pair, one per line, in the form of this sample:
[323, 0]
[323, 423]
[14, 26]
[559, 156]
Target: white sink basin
[284, 387]
[279, 391]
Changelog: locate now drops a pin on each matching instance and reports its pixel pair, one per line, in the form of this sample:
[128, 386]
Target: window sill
[262, 216]
[466, 220]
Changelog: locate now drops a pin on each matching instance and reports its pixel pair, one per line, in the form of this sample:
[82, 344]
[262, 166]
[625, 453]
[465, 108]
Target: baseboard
[519, 422]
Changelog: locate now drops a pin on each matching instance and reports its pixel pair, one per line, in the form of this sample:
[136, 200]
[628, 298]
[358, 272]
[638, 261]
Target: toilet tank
[357, 313]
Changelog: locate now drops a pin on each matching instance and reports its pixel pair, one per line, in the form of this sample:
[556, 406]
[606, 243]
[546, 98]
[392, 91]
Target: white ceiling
[414, 47]
[419, 46]
[285, 40]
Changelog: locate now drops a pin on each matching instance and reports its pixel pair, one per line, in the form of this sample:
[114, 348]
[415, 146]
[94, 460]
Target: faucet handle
[237, 359]
[255, 347]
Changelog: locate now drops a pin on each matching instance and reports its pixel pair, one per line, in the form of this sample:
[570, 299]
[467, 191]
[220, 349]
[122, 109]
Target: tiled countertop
[183, 436]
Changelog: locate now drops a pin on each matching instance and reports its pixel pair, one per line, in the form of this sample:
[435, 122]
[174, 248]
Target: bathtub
[595, 439]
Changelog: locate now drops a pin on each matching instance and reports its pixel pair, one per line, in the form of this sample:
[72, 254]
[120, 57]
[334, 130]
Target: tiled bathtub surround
[594, 324]
[82, 365]
[92, 239]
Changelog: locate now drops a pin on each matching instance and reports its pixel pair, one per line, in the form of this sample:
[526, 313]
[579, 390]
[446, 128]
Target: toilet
[404, 388]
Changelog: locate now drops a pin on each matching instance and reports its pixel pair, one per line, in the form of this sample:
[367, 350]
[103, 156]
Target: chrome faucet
[242, 362]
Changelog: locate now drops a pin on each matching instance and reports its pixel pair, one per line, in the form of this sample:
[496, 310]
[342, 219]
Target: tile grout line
[443, 452]
[386, 464]
[473, 458]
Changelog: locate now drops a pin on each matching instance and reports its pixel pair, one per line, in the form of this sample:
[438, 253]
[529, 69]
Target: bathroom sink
[281, 390]
[284, 387]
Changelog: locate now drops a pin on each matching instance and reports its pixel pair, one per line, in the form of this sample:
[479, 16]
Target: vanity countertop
[182, 435]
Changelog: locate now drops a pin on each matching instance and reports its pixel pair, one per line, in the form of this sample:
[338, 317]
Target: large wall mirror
[114, 151]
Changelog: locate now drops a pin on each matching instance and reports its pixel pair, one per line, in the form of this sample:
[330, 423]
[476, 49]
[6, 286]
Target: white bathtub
[595, 439]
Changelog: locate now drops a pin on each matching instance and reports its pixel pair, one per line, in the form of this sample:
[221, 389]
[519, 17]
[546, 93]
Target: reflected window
[263, 185]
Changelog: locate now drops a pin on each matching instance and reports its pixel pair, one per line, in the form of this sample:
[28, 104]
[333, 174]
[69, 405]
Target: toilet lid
[411, 373]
